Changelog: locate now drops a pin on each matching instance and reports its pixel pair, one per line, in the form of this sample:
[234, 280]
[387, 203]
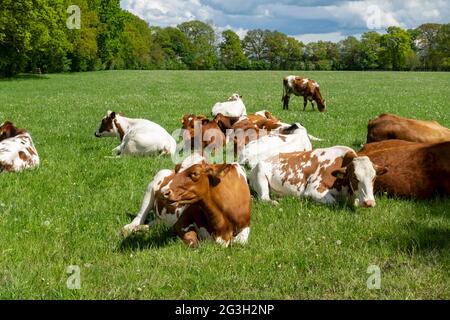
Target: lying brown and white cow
[416, 170]
[17, 151]
[260, 118]
[307, 88]
[325, 175]
[206, 132]
[390, 126]
[200, 201]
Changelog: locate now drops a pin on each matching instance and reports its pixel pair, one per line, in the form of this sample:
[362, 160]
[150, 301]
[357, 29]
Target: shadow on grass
[422, 235]
[157, 237]
[419, 238]
[25, 77]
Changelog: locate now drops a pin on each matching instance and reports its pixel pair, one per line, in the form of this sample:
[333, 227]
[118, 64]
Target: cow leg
[260, 183]
[190, 239]
[116, 151]
[186, 228]
[147, 204]
[286, 99]
[242, 237]
[305, 103]
[312, 103]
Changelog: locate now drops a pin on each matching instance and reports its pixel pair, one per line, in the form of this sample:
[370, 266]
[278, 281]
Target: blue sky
[307, 20]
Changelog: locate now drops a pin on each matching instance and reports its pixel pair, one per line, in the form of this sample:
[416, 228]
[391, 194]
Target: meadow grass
[70, 211]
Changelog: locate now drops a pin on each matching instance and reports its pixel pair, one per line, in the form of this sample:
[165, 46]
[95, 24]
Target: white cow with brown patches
[288, 139]
[17, 151]
[137, 136]
[325, 175]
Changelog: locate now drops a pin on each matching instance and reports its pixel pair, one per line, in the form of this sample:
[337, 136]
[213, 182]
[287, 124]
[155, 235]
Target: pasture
[70, 210]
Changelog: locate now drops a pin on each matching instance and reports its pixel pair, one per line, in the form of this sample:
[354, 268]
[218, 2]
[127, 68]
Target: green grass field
[70, 211]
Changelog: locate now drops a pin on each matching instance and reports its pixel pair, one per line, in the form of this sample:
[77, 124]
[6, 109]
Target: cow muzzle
[368, 203]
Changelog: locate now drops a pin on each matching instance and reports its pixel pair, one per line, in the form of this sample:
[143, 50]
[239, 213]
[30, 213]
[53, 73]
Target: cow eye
[194, 175]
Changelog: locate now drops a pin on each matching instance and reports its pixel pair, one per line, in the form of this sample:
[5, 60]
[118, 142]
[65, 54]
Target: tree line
[34, 36]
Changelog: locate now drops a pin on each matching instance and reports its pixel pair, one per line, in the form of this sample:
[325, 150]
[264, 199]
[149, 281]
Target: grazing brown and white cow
[17, 151]
[200, 201]
[325, 175]
[390, 126]
[416, 170]
[307, 88]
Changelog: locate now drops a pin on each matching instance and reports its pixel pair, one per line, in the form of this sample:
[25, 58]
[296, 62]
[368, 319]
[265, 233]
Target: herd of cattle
[201, 200]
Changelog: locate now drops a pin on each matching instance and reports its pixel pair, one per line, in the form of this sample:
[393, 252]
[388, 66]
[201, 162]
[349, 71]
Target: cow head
[321, 105]
[359, 175]
[108, 126]
[293, 129]
[8, 130]
[192, 184]
[225, 122]
[235, 97]
[189, 119]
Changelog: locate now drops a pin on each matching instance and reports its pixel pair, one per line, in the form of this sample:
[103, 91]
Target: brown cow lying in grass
[415, 170]
[199, 201]
[390, 126]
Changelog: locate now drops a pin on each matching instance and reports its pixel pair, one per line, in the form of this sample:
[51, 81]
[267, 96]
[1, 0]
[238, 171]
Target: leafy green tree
[84, 51]
[276, 44]
[32, 35]
[231, 53]
[254, 44]
[395, 47]
[370, 50]
[295, 51]
[202, 39]
[443, 46]
[171, 48]
[351, 54]
[136, 43]
[112, 21]
[321, 55]
[426, 43]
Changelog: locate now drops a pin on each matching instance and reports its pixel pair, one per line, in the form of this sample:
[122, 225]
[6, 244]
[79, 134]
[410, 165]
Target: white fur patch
[191, 160]
[242, 237]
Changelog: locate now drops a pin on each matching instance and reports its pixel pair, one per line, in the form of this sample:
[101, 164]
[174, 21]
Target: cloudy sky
[307, 20]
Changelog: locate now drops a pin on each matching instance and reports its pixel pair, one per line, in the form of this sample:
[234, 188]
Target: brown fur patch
[8, 130]
[119, 129]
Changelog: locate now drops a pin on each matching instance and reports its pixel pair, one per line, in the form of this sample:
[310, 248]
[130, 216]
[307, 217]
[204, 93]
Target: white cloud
[308, 19]
[313, 37]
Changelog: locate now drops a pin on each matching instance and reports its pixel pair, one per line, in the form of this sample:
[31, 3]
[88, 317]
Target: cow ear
[112, 115]
[205, 121]
[339, 173]
[380, 170]
[177, 167]
[214, 180]
[216, 173]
